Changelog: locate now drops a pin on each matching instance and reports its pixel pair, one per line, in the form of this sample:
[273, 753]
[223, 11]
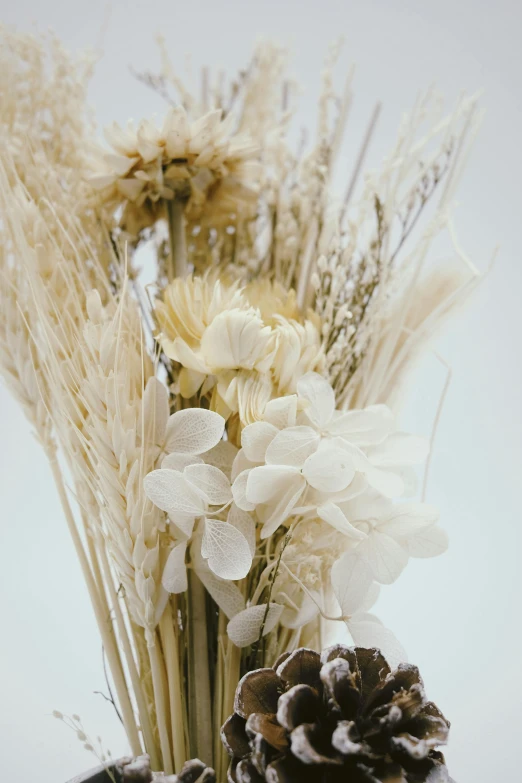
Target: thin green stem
[200, 703]
[178, 247]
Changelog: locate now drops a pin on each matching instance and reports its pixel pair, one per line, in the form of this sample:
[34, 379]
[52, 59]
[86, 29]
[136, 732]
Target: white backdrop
[458, 615]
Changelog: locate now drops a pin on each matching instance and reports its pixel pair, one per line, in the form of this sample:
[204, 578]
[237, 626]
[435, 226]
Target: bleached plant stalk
[34, 389]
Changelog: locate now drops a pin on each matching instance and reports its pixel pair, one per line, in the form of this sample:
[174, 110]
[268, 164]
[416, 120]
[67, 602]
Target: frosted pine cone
[194, 771]
[138, 771]
[342, 716]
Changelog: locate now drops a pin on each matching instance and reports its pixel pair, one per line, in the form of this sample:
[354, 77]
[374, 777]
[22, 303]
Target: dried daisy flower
[244, 345]
[184, 165]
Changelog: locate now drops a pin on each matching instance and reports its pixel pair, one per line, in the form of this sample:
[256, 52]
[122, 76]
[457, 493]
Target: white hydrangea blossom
[306, 453]
[336, 475]
[196, 493]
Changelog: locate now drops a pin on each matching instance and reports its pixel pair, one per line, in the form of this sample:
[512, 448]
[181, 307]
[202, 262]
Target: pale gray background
[458, 615]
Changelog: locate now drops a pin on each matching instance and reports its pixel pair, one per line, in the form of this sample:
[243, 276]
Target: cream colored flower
[189, 305]
[246, 345]
[198, 161]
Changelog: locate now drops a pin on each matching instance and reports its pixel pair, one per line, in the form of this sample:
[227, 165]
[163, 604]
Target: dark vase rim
[97, 774]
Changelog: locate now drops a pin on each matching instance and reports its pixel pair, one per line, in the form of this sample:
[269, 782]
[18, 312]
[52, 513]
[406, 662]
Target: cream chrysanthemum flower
[201, 162]
[244, 345]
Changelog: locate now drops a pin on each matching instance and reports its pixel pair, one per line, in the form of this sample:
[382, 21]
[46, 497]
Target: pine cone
[342, 716]
[136, 770]
[193, 771]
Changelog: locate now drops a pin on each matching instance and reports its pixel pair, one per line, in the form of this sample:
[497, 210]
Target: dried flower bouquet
[224, 439]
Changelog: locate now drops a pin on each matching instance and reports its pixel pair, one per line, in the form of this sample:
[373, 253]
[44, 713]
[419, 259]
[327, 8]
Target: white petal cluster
[305, 455]
[245, 345]
[334, 476]
[193, 488]
[196, 160]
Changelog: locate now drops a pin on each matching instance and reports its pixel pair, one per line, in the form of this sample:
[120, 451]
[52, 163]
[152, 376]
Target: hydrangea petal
[281, 412]
[256, 438]
[428, 542]
[363, 427]
[275, 515]
[351, 582]
[226, 550]
[222, 456]
[292, 446]
[170, 491]
[194, 430]
[406, 519]
[239, 488]
[366, 630]
[389, 484]
[184, 523]
[267, 481]
[320, 397]
[399, 449]
[332, 514]
[211, 482]
[384, 555]
[329, 470]
[226, 594]
[245, 628]
[174, 577]
[179, 462]
[244, 522]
